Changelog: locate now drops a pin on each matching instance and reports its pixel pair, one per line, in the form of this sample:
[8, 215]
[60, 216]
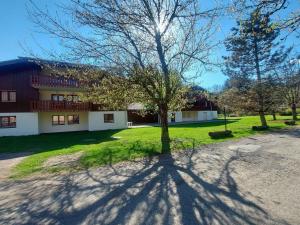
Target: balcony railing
[56, 106]
[48, 81]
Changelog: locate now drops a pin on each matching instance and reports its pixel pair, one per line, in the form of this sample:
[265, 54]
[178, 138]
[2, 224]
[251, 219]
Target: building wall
[96, 120]
[26, 124]
[178, 116]
[186, 116]
[45, 122]
[189, 116]
[18, 81]
[207, 115]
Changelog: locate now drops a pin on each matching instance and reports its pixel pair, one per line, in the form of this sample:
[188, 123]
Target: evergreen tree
[254, 53]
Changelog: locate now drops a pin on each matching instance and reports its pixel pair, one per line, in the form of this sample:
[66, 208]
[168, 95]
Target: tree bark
[274, 116]
[263, 119]
[260, 87]
[165, 138]
[294, 111]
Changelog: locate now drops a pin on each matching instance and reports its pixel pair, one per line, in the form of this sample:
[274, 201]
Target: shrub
[258, 128]
[290, 123]
[286, 113]
[220, 134]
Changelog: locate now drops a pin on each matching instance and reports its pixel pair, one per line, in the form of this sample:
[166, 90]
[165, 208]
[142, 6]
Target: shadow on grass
[218, 122]
[54, 141]
[163, 191]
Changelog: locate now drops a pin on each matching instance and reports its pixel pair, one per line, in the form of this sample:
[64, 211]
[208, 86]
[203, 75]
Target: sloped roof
[28, 62]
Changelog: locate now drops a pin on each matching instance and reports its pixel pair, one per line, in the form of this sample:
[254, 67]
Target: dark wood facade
[18, 80]
[26, 78]
[136, 117]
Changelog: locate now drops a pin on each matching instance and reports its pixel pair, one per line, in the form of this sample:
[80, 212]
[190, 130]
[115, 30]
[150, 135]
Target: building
[33, 102]
[200, 109]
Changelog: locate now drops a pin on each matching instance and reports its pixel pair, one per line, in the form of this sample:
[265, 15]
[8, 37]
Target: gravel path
[255, 180]
[8, 161]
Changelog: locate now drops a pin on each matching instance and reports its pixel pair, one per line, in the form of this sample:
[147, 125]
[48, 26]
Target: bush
[220, 134]
[258, 128]
[290, 123]
[286, 113]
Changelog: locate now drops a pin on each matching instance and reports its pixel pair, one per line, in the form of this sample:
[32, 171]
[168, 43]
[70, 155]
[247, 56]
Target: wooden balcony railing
[55, 106]
[48, 81]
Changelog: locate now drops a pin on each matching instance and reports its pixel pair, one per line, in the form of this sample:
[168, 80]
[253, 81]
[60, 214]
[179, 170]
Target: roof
[28, 62]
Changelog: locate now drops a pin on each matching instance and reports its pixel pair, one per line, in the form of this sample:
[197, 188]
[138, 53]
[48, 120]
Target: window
[58, 98]
[8, 122]
[58, 120]
[108, 118]
[73, 98]
[73, 119]
[8, 96]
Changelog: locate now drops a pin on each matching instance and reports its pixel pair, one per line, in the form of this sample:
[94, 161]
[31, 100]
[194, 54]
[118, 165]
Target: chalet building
[33, 102]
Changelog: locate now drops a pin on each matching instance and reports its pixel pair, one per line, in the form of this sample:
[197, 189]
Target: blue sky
[18, 36]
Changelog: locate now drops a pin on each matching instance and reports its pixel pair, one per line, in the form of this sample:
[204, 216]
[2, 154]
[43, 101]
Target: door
[204, 115]
[173, 120]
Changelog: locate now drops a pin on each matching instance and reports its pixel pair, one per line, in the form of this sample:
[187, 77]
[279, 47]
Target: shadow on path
[156, 191]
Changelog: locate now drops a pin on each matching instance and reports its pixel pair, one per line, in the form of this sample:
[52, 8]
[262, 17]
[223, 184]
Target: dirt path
[8, 161]
[255, 180]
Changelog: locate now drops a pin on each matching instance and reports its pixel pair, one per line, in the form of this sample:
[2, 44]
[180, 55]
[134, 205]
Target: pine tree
[254, 53]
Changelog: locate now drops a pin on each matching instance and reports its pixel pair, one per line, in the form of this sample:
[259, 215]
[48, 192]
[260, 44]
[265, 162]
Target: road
[254, 180]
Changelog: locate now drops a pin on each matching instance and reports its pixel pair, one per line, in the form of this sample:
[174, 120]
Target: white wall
[45, 122]
[178, 116]
[186, 116]
[26, 124]
[189, 116]
[96, 120]
[207, 115]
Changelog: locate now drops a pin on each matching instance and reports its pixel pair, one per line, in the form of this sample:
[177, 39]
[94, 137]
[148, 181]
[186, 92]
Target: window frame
[73, 122]
[57, 95]
[10, 124]
[109, 121]
[8, 95]
[58, 121]
[72, 98]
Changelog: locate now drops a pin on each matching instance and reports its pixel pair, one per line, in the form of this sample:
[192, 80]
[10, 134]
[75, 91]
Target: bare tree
[139, 37]
[288, 77]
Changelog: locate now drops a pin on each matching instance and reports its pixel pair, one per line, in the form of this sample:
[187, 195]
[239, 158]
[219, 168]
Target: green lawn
[104, 147]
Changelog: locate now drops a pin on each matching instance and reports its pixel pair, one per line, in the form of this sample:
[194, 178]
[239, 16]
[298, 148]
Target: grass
[107, 147]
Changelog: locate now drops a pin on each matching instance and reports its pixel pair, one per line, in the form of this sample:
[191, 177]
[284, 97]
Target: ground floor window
[58, 120]
[8, 122]
[109, 118]
[73, 119]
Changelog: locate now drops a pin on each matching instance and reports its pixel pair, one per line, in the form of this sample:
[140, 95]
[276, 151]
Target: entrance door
[204, 115]
[173, 118]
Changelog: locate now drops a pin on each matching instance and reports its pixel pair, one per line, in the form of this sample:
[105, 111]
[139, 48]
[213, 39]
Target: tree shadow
[213, 123]
[161, 190]
[54, 141]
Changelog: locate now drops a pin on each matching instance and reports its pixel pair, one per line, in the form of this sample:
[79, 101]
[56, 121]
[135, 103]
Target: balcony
[63, 106]
[54, 82]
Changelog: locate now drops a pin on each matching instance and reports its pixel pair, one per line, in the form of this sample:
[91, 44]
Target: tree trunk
[165, 138]
[294, 111]
[274, 116]
[263, 119]
[260, 87]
